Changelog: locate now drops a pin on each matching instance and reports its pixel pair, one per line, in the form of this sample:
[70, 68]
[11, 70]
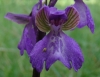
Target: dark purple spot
[61, 43]
[52, 38]
[51, 44]
[54, 33]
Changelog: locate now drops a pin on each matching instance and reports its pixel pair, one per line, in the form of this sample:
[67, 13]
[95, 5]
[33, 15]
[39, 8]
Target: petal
[30, 32]
[39, 54]
[73, 52]
[55, 52]
[72, 18]
[42, 19]
[56, 47]
[64, 49]
[85, 15]
[28, 39]
[18, 18]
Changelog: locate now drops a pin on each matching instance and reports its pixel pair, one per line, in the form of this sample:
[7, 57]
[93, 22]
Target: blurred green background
[14, 65]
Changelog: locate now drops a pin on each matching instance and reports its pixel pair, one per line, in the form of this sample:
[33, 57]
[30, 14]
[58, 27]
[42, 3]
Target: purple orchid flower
[56, 45]
[85, 15]
[29, 35]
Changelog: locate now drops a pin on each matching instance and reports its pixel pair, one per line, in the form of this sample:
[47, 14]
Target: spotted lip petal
[66, 50]
[85, 15]
[52, 48]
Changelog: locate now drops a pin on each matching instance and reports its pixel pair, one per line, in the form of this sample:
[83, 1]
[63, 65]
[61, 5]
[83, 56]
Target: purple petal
[66, 50]
[85, 15]
[56, 47]
[73, 52]
[28, 39]
[39, 54]
[18, 18]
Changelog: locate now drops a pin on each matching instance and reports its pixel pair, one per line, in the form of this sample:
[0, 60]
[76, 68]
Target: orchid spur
[56, 45]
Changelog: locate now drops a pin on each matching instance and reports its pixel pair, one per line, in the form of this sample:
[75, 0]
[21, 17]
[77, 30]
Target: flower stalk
[35, 73]
[40, 35]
